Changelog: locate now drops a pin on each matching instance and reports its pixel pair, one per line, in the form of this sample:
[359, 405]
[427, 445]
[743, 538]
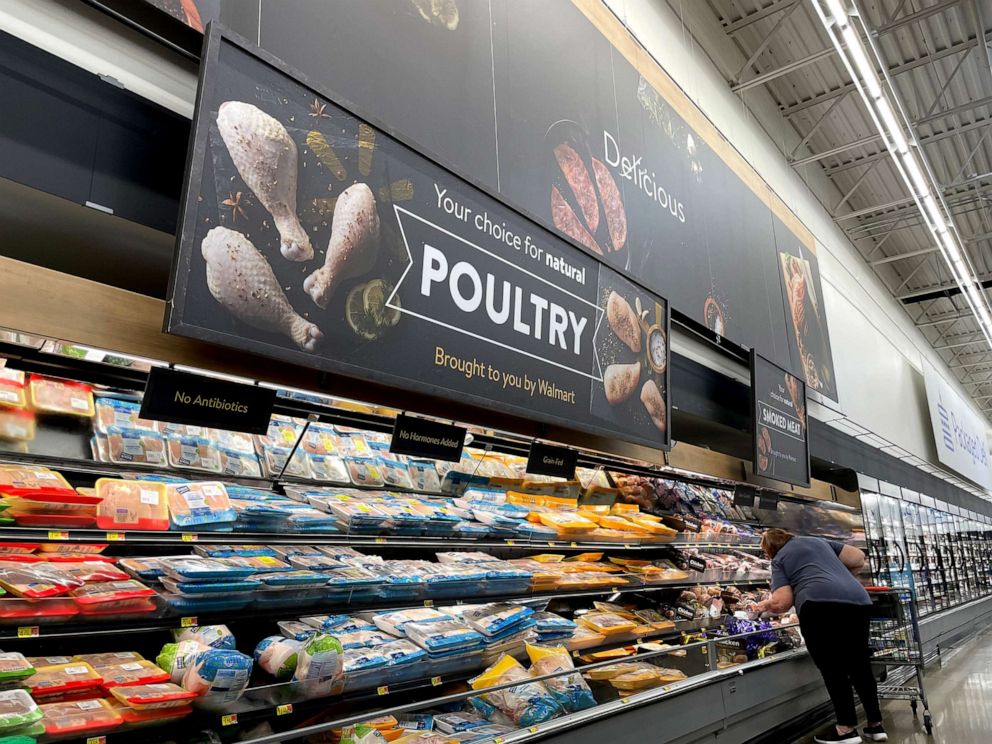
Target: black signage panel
[744, 495]
[696, 563]
[197, 400]
[768, 502]
[778, 403]
[419, 437]
[547, 459]
[313, 236]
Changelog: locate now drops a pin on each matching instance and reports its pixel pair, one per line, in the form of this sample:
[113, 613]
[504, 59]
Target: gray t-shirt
[811, 566]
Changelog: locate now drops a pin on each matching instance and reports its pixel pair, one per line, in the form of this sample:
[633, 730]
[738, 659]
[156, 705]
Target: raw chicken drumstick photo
[241, 280]
[267, 159]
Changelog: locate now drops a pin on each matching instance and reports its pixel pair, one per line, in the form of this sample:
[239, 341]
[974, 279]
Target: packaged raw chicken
[14, 667]
[607, 623]
[526, 704]
[424, 476]
[328, 468]
[16, 424]
[35, 580]
[566, 522]
[214, 636]
[364, 471]
[319, 665]
[120, 413]
[17, 709]
[90, 571]
[233, 440]
[239, 464]
[79, 718]
[353, 443]
[131, 504]
[167, 428]
[321, 439]
[112, 597]
[71, 676]
[107, 658]
[65, 397]
[151, 716]
[395, 474]
[274, 459]
[13, 390]
[131, 672]
[193, 453]
[153, 696]
[135, 446]
[177, 658]
[218, 677]
[568, 688]
[34, 482]
[278, 655]
[199, 502]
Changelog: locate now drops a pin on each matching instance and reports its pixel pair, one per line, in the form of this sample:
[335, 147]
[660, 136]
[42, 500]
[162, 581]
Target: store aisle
[960, 700]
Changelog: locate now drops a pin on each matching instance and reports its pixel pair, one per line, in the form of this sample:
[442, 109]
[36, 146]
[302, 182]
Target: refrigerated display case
[915, 542]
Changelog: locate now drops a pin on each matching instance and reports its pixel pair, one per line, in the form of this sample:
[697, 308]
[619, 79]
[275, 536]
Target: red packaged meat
[16, 424]
[154, 696]
[65, 397]
[72, 676]
[134, 672]
[114, 596]
[35, 580]
[35, 482]
[79, 718]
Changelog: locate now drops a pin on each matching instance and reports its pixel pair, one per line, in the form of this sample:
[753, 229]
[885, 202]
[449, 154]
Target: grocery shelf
[165, 619]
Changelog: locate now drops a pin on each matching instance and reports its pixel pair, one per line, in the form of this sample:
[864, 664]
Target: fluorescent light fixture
[916, 176]
[837, 11]
[895, 129]
[860, 59]
[932, 211]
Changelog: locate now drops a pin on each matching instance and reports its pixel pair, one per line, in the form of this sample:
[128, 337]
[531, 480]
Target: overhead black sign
[419, 437]
[768, 502]
[312, 236]
[696, 563]
[744, 495]
[548, 97]
[197, 400]
[547, 459]
[778, 402]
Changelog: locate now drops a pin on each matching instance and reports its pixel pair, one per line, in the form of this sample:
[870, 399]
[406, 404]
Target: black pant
[836, 637]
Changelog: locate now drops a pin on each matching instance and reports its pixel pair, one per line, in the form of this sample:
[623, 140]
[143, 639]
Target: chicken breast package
[13, 390]
[193, 453]
[120, 413]
[132, 504]
[239, 464]
[16, 424]
[568, 688]
[62, 397]
[135, 446]
[79, 718]
[199, 502]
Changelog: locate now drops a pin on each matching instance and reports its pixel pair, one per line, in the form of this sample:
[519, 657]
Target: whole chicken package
[568, 688]
[218, 676]
[526, 704]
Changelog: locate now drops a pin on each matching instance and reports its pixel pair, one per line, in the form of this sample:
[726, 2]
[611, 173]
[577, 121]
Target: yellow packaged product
[585, 558]
[644, 677]
[621, 652]
[524, 499]
[623, 510]
[615, 609]
[584, 638]
[614, 522]
[607, 623]
[656, 528]
[592, 516]
[561, 502]
[548, 558]
[567, 522]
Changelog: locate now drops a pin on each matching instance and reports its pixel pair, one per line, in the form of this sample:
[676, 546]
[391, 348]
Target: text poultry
[504, 303]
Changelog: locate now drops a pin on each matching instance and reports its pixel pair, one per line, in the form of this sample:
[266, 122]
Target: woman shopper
[818, 577]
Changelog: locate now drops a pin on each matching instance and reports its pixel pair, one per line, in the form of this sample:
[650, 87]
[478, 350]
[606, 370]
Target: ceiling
[940, 64]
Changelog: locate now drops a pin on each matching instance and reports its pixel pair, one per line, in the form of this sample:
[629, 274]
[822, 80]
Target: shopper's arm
[780, 601]
[852, 558]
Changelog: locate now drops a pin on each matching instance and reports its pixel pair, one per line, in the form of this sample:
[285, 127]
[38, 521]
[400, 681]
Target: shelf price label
[188, 622]
[573, 544]
[284, 710]
[428, 603]
[380, 541]
[28, 631]
[628, 546]
[511, 542]
[533, 729]
[384, 690]
[435, 681]
[229, 720]
[55, 535]
[115, 536]
[189, 537]
[498, 740]
[97, 740]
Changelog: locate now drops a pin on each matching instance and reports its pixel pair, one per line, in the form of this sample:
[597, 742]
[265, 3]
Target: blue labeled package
[337, 624]
[394, 622]
[402, 652]
[296, 630]
[278, 655]
[245, 493]
[199, 503]
[533, 531]
[210, 587]
[424, 476]
[218, 676]
[197, 603]
[497, 619]
[363, 639]
[319, 562]
[261, 564]
[519, 630]
[361, 658]
[549, 622]
[239, 464]
[285, 597]
[198, 568]
[229, 551]
[443, 636]
[472, 530]
[146, 569]
[298, 578]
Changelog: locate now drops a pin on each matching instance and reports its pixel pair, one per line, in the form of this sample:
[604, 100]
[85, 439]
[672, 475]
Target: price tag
[628, 546]
[498, 740]
[58, 535]
[428, 603]
[115, 536]
[380, 541]
[638, 642]
[575, 653]
[435, 681]
[188, 622]
[29, 631]
[511, 542]
[666, 688]
[229, 720]
[533, 729]
[97, 740]
[551, 544]
[624, 701]
[384, 690]
[573, 544]
[189, 537]
[284, 710]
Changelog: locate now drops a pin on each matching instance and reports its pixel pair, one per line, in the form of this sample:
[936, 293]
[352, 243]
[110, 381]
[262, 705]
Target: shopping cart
[894, 636]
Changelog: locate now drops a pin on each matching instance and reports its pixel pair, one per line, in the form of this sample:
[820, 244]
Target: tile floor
[960, 696]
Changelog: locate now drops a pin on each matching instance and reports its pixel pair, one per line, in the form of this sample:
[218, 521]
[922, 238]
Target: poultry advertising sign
[313, 235]
[781, 443]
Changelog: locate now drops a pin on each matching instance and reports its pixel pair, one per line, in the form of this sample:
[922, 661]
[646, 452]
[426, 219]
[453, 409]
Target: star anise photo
[233, 202]
[318, 110]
